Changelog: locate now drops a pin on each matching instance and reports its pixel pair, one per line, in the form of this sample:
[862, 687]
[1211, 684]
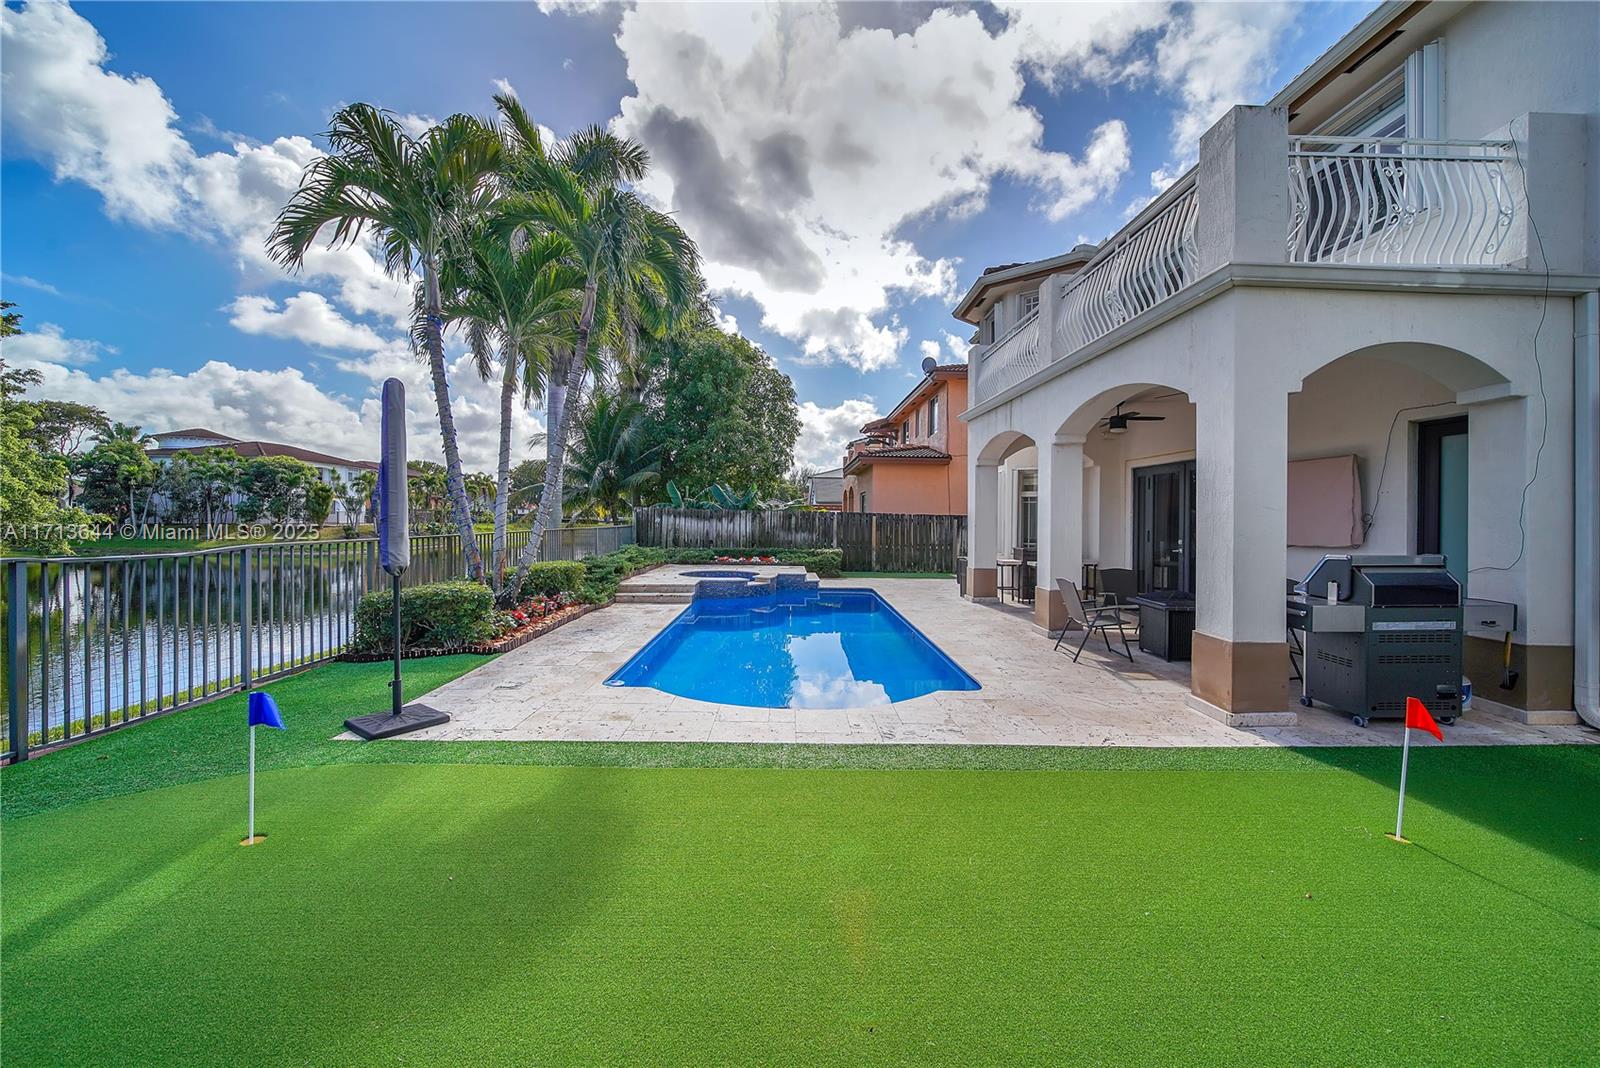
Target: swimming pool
[794, 648]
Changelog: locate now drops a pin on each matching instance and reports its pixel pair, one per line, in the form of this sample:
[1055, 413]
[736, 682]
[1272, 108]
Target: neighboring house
[1366, 321]
[915, 458]
[328, 467]
[825, 489]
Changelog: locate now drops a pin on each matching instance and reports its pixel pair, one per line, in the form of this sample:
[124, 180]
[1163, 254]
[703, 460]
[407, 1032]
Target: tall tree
[721, 413]
[413, 194]
[636, 262]
[517, 301]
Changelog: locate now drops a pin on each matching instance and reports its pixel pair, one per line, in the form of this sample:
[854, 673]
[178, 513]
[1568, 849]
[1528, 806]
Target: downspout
[1586, 510]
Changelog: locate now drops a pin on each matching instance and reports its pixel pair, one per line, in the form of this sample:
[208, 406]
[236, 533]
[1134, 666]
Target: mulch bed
[508, 641]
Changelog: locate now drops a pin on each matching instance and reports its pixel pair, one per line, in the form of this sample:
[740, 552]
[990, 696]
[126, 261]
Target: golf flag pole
[1417, 718]
[263, 713]
[1405, 762]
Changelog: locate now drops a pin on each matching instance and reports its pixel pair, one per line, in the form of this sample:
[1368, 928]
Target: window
[1028, 510]
[864, 501]
[905, 431]
[986, 327]
[917, 415]
[1030, 303]
[933, 415]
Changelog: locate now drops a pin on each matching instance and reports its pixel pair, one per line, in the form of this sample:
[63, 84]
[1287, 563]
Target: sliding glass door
[1163, 527]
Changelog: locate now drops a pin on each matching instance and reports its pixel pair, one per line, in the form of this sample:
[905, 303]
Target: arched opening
[1004, 520]
[1138, 495]
[1405, 449]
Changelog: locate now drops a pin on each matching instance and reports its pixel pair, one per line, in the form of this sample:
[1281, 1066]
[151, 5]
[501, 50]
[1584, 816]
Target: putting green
[460, 914]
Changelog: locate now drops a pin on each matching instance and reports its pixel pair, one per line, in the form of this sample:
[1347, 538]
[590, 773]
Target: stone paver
[553, 689]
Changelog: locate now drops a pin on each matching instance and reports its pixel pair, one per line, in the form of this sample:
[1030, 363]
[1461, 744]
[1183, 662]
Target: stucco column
[983, 506]
[1240, 671]
[1525, 558]
[1243, 188]
[1060, 527]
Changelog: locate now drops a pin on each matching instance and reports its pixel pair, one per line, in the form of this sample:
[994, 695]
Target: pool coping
[666, 630]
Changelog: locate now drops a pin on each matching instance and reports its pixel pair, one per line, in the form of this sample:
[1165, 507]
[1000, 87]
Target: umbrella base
[388, 724]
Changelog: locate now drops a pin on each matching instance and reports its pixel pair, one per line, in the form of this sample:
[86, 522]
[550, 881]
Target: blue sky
[847, 172]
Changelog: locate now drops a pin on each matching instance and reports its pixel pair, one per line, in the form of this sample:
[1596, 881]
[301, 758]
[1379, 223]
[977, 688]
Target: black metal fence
[870, 541]
[94, 643]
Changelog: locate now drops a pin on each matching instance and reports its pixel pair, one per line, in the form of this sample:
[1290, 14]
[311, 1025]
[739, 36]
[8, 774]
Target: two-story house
[1365, 321]
[333, 470]
[913, 460]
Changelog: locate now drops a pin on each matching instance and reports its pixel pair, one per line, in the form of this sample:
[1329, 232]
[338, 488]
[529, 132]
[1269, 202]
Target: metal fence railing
[94, 643]
[576, 543]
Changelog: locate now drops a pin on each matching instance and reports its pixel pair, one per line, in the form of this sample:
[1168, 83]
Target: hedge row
[439, 615]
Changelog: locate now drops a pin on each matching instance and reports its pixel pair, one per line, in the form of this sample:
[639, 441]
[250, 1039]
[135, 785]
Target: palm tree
[611, 459]
[413, 194]
[518, 301]
[130, 432]
[638, 265]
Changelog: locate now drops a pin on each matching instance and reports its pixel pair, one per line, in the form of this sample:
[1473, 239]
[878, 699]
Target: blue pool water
[794, 648]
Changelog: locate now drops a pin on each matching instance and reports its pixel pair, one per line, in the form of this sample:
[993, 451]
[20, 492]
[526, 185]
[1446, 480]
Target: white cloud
[30, 283]
[795, 151]
[306, 317]
[279, 405]
[930, 350]
[115, 134]
[957, 346]
[503, 86]
[1213, 56]
[824, 432]
[49, 345]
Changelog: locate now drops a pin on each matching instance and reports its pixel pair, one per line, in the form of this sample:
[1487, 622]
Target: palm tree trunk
[502, 481]
[460, 509]
[557, 429]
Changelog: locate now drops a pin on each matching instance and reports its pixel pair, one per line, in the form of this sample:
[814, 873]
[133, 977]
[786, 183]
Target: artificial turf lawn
[481, 905]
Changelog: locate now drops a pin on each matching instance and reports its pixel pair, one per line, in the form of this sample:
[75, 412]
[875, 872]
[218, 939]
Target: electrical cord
[1544, 400]
[1388, 446]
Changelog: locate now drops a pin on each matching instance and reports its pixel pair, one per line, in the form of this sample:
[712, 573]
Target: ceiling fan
[1117, 422]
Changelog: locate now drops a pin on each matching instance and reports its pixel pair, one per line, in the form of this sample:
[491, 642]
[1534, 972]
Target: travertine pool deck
[553, 689]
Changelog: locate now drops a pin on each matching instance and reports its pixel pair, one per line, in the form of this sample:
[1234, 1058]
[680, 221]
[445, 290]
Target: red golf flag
[1417, 718]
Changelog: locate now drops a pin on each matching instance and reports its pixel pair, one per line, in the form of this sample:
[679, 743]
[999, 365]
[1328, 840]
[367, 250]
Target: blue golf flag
[264, 711]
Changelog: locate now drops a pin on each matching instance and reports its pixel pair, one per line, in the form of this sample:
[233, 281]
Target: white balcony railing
[1143, 265]
[1015, 355]
[1387, 200]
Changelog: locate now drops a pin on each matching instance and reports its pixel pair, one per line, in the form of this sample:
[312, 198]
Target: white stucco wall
[1502, 60]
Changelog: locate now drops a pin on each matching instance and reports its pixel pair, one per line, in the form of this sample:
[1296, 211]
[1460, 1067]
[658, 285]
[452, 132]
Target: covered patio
[1216, 457]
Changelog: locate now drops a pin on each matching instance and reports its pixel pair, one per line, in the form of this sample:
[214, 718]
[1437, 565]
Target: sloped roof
[194, 432]
[897, 453]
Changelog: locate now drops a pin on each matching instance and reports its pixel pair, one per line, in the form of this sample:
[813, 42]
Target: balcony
[1400, 202]
[1260, 196]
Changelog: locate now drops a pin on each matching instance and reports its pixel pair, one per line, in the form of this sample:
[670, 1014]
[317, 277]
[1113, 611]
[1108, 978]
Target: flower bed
[746, 560]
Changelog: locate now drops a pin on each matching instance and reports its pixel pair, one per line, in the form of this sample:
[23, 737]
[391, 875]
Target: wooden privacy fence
[870, 541]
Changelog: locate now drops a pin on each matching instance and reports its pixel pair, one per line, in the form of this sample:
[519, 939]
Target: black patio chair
[1100, 620]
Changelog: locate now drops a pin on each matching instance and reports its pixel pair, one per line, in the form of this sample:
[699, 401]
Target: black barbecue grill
[1379, 629]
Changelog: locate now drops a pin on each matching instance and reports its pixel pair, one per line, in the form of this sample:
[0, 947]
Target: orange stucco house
[915, 458]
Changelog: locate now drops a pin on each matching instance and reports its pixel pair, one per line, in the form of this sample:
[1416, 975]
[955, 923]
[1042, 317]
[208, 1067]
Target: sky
[846, 170]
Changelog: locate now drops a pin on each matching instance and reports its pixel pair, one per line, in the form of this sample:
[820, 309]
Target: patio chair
[1102, 619]
[1118, 585]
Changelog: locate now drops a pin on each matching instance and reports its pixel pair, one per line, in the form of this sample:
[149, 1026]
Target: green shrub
[439, 615]
[551, 577]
